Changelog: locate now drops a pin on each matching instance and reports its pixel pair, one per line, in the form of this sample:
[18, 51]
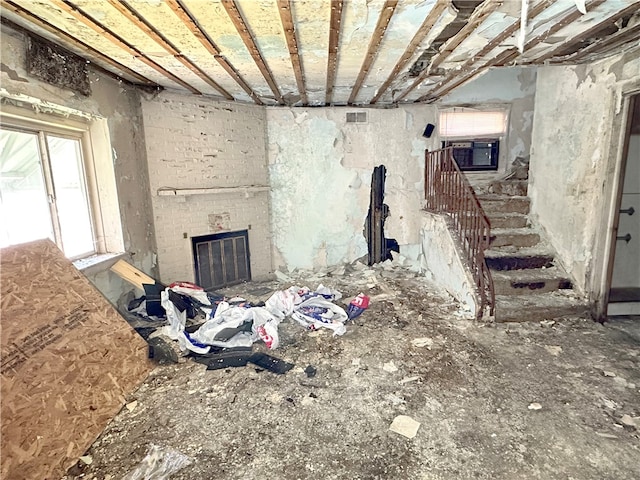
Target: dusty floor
[470, 386]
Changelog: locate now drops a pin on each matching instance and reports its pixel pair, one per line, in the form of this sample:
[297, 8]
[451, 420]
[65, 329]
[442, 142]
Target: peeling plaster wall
[573, 160]
[119, 103]
[198, 143]
[513, 88]
[320, 174]
[442, 263]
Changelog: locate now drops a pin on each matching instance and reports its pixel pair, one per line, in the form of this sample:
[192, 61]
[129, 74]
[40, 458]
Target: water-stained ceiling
[326, 52]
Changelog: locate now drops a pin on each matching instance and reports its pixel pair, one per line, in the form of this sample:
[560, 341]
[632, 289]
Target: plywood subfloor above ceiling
[326, 52]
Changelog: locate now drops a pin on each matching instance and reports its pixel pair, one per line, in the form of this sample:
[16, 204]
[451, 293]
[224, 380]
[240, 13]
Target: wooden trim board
[131, 274]
[68, 361]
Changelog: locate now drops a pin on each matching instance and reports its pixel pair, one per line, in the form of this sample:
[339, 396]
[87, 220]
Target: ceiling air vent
[356, 117]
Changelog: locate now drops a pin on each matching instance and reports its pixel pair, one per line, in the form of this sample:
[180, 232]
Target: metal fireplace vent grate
[221, 259]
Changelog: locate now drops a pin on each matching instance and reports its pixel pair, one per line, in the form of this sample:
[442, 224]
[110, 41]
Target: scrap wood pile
[220, 331]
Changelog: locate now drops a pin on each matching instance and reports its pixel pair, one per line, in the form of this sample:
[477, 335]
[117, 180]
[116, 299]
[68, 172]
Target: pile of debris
[182, 319]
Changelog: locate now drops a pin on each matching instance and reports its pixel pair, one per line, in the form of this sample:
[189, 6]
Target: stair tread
[525, 274]
[513, 231]
[537, 250]
[539, 306]
[506, 214]
[498, 197]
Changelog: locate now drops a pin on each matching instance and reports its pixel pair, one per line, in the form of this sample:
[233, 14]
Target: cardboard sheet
[68, 361]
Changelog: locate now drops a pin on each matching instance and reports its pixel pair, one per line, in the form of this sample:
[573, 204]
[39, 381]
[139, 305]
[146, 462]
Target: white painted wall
[320, 172]
[441, 261]
[573, 159]
[197, 142]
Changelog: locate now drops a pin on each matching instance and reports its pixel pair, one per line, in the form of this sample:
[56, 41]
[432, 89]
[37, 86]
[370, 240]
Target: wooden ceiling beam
[479, 15]
[196, 29]
[433, 15]
[587, 33]
[139, 21]
[511, 54]
[334, 40]
[247, 37]
[65, 38]
[114, 38]
[286, 16]
[506, 33]
[374, 45]
[614, 40]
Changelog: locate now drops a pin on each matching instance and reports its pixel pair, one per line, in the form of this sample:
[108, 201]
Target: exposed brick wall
[196, 142]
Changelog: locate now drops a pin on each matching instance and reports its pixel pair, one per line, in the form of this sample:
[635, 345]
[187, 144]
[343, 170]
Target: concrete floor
[471, 386]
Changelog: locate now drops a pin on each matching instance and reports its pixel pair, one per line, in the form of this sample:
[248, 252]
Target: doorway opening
[624, 292]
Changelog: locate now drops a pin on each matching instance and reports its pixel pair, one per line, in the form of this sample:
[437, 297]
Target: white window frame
[97, 160]
[477, 132]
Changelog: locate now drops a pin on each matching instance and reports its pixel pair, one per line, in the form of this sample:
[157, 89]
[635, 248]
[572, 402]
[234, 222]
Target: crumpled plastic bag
[317, 312]
[281, 303]
[265, 326]
[159, 464]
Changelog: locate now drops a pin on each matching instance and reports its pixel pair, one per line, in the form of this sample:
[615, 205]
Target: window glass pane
[24, 210]
[74, 214]
[472, 124]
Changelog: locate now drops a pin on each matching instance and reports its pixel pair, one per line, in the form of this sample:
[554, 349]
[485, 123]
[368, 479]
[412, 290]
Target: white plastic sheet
[159, 464]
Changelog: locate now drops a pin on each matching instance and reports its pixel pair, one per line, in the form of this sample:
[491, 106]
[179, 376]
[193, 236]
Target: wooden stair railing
[447, 191]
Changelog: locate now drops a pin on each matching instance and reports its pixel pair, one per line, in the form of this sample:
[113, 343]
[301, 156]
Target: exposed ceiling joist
[468, 65]
[420, 35]
[90, 22]
[323, 52]
[615, 41]
[198, 32]
[511, 54]
[378, 34]
[334, 38]
[124, 71]
[479, 15]
[588, 33]
[243, 30]
[134, 17]
[286, 16]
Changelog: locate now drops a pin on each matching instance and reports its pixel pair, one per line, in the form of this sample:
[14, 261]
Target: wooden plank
[245, 34]
[376, 39]
[479, 15]
[286, 17]
[614, 41]
[467, 66]
[334, 39]
[68, 362]
[422, 32]
[114, 38]
[134, 17]
[131, 274]
[511, 54]
[192, 24]
[587, 33]
[65, 38]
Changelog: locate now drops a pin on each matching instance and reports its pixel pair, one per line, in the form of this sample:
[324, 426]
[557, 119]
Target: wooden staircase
[529, 284]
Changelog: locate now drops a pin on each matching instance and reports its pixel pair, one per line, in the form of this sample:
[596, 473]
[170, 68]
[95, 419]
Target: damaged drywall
[441, 261]
[320, 170]
[573, 159]
[119, 104]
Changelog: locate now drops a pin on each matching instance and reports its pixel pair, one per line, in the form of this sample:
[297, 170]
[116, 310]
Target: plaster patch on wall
[219, 222]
